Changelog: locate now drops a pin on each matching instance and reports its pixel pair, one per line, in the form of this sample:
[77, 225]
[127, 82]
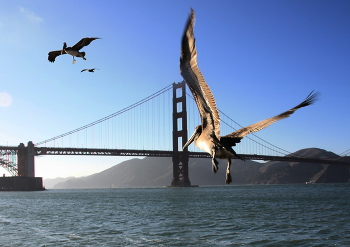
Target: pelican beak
[194, 136]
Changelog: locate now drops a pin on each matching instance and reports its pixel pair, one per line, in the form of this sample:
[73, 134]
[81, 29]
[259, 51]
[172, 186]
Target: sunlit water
[257, 215]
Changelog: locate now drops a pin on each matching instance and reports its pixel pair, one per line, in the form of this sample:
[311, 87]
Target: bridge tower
[26, 160]
[180, 158]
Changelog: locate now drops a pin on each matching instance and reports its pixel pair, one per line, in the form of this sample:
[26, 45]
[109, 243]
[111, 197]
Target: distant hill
[49, 183]
[154, 171]
[276, 172]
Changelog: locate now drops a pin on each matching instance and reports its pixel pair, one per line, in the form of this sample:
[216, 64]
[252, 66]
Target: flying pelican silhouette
[73, 50]
[90, 70]
[207, 135]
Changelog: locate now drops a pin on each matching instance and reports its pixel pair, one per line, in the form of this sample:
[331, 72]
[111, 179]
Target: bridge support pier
[26, 160]
[180, 158]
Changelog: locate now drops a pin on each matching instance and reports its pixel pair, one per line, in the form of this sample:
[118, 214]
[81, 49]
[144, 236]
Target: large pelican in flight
[207, 135]
[72, 50]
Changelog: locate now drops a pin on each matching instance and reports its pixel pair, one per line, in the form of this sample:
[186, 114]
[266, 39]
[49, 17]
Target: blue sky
[259, 58]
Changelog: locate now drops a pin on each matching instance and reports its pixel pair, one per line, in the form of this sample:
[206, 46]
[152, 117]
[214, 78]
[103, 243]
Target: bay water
[249, 215]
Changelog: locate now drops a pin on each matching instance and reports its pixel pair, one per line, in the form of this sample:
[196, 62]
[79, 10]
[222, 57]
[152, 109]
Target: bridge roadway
[159, 153]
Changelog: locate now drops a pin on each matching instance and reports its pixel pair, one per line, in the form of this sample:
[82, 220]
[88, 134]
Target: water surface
[255, 215]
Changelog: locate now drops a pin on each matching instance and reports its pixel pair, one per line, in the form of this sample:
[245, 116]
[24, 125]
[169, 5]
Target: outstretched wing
[83, 70]
[310, 99]
[83, 42]
[54, 54]
[195, 80]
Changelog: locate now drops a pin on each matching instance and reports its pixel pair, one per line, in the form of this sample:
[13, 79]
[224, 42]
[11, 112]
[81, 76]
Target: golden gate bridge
[154, 126]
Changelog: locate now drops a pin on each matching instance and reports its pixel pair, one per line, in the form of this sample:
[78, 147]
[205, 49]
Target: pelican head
[64, 47]
[197, 132]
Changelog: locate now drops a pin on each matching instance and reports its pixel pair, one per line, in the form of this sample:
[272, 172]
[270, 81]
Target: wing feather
[53, 54]
[310, 99]
[83, 42]
[194, 79]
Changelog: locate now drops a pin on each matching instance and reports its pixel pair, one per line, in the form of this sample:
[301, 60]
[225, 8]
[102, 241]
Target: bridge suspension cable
[109, 116]
[345, 153]
[147, 125]
[281, 151]
[254, 144]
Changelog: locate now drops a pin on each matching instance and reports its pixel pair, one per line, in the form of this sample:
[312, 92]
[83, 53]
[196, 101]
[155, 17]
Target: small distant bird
[207, 135]
[73, 50]
[90, 70]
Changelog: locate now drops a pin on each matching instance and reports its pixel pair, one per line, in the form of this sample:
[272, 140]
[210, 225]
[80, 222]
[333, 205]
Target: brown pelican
[90, 70]
[73, 50]
[207, 135]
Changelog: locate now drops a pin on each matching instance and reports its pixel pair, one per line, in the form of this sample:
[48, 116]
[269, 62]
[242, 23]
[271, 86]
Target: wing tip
[312, 97]
[93, 38]
[186, 45]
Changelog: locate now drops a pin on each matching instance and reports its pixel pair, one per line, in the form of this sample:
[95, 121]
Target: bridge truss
[8, 159]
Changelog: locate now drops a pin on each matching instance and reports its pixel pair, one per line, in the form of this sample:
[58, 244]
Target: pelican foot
[73, 61]
[84, 58]
[215, 168]
[228, 177]
[215, 165]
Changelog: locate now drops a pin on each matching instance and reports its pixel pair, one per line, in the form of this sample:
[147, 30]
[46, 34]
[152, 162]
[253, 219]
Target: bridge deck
[159, 153]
